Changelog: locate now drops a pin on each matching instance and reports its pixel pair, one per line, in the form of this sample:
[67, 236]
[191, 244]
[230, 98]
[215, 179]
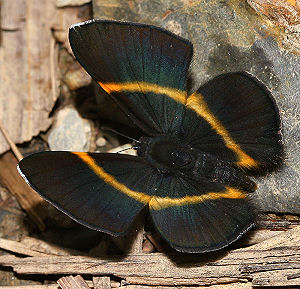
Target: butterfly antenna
[125, 149]
[119, 133]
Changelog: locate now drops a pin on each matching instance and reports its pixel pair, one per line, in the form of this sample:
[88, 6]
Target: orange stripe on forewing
[144, 87]
[198, 104]
[110, 180]
[158, 203]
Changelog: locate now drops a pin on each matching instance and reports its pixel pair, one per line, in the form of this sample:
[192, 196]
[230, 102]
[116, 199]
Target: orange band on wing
[110, 180]
[154, 202]
[145, 87]
[194, 102]
[197, 103]
[158, 203]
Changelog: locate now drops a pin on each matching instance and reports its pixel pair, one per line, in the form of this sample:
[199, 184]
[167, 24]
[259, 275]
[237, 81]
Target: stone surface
[232, 36]
[76, 78]
[70, 132]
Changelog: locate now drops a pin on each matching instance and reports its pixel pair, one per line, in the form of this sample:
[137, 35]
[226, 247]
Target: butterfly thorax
[170, 155]
[166, 153]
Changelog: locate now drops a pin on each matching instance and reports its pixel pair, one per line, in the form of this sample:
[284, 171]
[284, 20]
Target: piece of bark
[11, 144]
[48, 286]
[101, 282]
[18, 248]
[34, 247]
[45, 286]
[239, 285]
[285, 239]
[28, 89]
[255, 263]
[48, 248]
[28, 56]
[156, 268]
[71, 282]
[67, 17]
[28, 199]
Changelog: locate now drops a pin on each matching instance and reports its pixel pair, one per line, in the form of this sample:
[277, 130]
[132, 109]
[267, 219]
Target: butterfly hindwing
[198, 217]
[234, 117]
[142, 67]
[102, 191]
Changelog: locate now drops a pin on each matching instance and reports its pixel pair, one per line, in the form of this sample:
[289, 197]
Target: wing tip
[75, 25]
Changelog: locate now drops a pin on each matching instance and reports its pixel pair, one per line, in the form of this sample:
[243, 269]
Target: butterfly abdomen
[171, 156]
[209, 167]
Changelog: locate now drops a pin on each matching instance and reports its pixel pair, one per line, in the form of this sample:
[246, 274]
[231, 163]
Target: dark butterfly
[191, 170]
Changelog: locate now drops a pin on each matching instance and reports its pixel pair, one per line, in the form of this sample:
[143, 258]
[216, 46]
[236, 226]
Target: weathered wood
[48, 286]
[101, 282]
[273, 262]
[28, 71]
[28, 199]
[152, 281]
[223, 286]
[71, 282]
[26, 91]
[34, 247]
[11, 144]
[17, 247]
[236, 266]
[286, 239]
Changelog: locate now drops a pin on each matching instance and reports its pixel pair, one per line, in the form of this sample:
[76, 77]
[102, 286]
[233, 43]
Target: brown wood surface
[28, 199]
[71, 282]
[274, 262]
[28, 88]
[101, 282]
[29, 64]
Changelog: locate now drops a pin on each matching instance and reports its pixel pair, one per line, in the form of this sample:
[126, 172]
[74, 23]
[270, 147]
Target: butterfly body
[171, 156]
[192, 166]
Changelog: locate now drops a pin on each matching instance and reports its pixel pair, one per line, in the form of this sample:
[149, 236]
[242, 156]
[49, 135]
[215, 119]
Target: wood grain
[273, 262]
[28, 199]
[70, 282]
[26, 91]
[29, 62]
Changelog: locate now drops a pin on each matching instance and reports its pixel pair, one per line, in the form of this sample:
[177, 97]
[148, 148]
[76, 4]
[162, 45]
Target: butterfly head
[166, 153]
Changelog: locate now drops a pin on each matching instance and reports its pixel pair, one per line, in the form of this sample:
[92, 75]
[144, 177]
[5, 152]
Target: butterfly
[193, 163]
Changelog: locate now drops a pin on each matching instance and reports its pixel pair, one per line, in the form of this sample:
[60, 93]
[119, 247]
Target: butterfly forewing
[102, 191]
[144, 69]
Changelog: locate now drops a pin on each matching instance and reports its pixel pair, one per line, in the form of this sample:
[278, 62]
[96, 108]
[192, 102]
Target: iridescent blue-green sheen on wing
[148, 58]
[201, 227]
[67, 182]
[246, 112]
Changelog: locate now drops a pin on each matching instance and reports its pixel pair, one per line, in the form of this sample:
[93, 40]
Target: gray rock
[231, 36]
[70, 132]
